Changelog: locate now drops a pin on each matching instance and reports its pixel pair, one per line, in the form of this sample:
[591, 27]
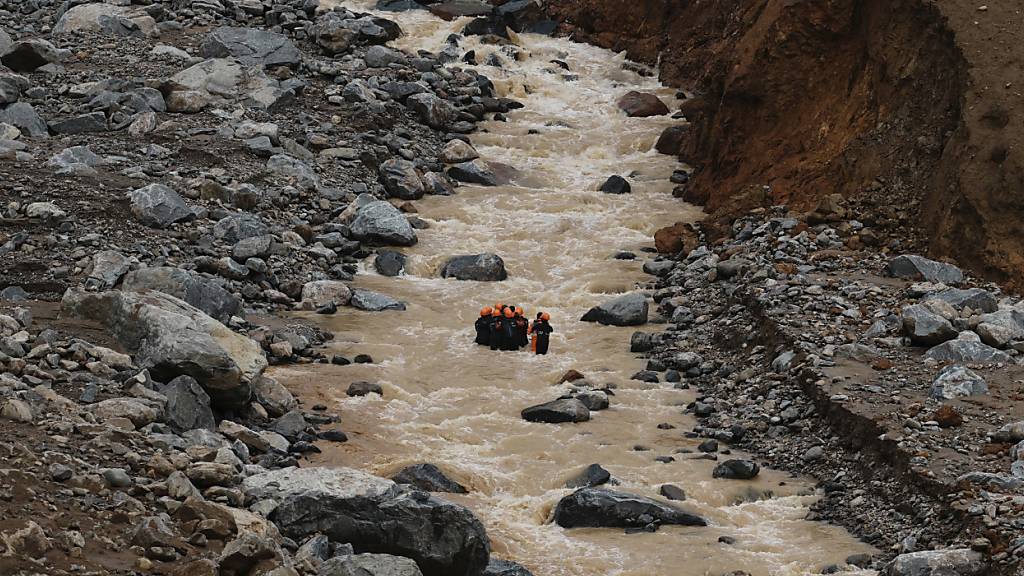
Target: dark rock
[671, 140]
[206, 294]
[603, 508]
[401, 180]
[736, 470]
[389, 262]
[915, 267]
[251, 47]
[92, 122]
[24, 117]
[30, 55]
[616, 185]
[188, 405]
[628, 310]
[672, 492]
[428, 478]
[498, 567]
[925, 327]
[158, 206]
[479, 267]
[593, 475]
[362, 388]
[640, 105]
[374, 301]
[473, 172]
[557, 411]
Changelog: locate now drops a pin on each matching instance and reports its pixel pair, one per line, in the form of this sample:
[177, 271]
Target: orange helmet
[486, 311]
[509, 313]
[545, 316]
[519, 310]
[496, 313]
[499, 306]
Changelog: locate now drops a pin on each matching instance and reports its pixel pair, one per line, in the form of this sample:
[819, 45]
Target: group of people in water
[506, 328]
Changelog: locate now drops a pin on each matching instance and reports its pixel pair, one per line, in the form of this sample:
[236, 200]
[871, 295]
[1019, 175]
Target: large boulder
[369, 565]
[24, 117]
[641, 105]
[172, 338]
[401, 180]
[924, 326]
[1000, 328]
[736, 470]
[431, 110]
[913, 267]
[603, 508]
[474, 172]
[105, 18]
[955, 562]
[974, 298]
[967, 348]
[380, 223]
[188, 405]
[30, 55]
[375, 515]
[158, 206]
[371, 301]
[957, 381]
[498, 567]
[428, 478]
[251, 47]
[389, 262]
[628, 310]
[557, 411]
[480, 267]
[206, 294]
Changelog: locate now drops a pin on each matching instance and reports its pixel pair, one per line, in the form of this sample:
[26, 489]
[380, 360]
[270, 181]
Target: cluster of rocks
[888, 377]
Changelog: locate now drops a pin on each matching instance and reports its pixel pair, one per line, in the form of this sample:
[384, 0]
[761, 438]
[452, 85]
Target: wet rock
[479, 267]
[671, 140]
[957, 562]
[273, 396]
[640, 105]
[603, 508]
[363, 388]
[380, 223]
[925, 327]
[375, 515]
[594, 400]
[557, 411]
[957, 381]
[172, 338]
[188, 405]
[642, 342]
[458, 151]
[401, 180]
[158, 206]
[497, 567]
[736, 470]
[371, 301]
[915, 267]
[428, 478]
[431, 110]
[206, 294]
[672, 492]
[251, 47]
[473, 172]
[593, 475]
[322, 292]
[389, 263]
[369, 565]
[616, 185]
[967, 349]
[628, 310]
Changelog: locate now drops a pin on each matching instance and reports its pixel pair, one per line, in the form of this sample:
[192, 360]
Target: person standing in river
[483, 327]
[522, 329]
[495, 329]
[541, 331]
[508, 329]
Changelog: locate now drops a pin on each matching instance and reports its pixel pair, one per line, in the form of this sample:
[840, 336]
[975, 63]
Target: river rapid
[454, 404]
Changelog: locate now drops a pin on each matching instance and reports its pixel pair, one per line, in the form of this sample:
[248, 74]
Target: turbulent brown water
[454, 404]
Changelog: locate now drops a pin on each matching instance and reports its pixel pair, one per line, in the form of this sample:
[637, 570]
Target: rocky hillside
[908, 109]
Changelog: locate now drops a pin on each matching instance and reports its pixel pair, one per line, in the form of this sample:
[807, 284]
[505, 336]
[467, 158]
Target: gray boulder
[957, 381]
[172, 338]
[401, 180]
[380, 223]
[105, 18]
[428, 478]
[736, 470]
[158, 206]
[24, 117]
[479, 267]
[30, 55]
[1000, 328]
[389, 263]
[369, 565]
[298, 173]
[603, 508]
[913, 267]
[974, 298]
[273, 396]
[206, 294]
[925, 327]
[593, 475]
[108, 266]
[967, 349]
[956, 562]
[374, 301]
[473, 172]
[498, 567]
[251, 47]
[322, 292]
[557, 412]
[627, 310]
[431, 110]
[235, 227]
[375, 515]
[382, 57]
[188, 405]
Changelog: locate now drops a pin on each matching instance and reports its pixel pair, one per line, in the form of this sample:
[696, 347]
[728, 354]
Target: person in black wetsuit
[508, 330]
[495, 329]
[522, 326]
[483, 327]
[541, 331]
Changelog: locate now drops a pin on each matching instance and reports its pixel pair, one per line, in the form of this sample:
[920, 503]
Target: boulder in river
[640, 105]
[593, 475]
[498, 567]
[950, 562]
[172, 338]
[401, 180]
[251, 47]
[736, 470]
[557, 411]
[375, 515]
[616, 185]
[473, 172]
[914, 267]
[369, 565]
[480, 267]
[207, 294]
[603, 508]
[680, 237]
[671, 140]
[374, 301]
[628, 310]
[428, 478]
[431, 110]
[389, 262]
[322, 292]
[379, 223]
[458, 151]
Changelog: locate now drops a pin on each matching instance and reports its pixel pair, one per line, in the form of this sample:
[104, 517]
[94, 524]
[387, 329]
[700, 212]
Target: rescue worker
[522, 329]
[508, 330]
[495, 329]
[541, 331]
[483, 327]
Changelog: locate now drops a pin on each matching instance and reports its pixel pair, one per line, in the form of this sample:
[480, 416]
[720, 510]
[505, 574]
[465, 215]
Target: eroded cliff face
[880, 101]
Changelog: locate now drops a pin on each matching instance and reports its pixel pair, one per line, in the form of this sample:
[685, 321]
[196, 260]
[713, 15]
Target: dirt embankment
[908, 108]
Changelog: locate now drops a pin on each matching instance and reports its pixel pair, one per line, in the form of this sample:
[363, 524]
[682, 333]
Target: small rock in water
[593, 475]
[736, 470]
[428, 478]
[362, 388]
[672, 492]
[616, 185]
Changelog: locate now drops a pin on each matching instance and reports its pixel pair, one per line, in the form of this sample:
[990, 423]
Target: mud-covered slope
[907, 107]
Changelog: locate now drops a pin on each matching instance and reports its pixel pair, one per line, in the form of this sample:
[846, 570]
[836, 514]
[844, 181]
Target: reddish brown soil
[909, 108]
